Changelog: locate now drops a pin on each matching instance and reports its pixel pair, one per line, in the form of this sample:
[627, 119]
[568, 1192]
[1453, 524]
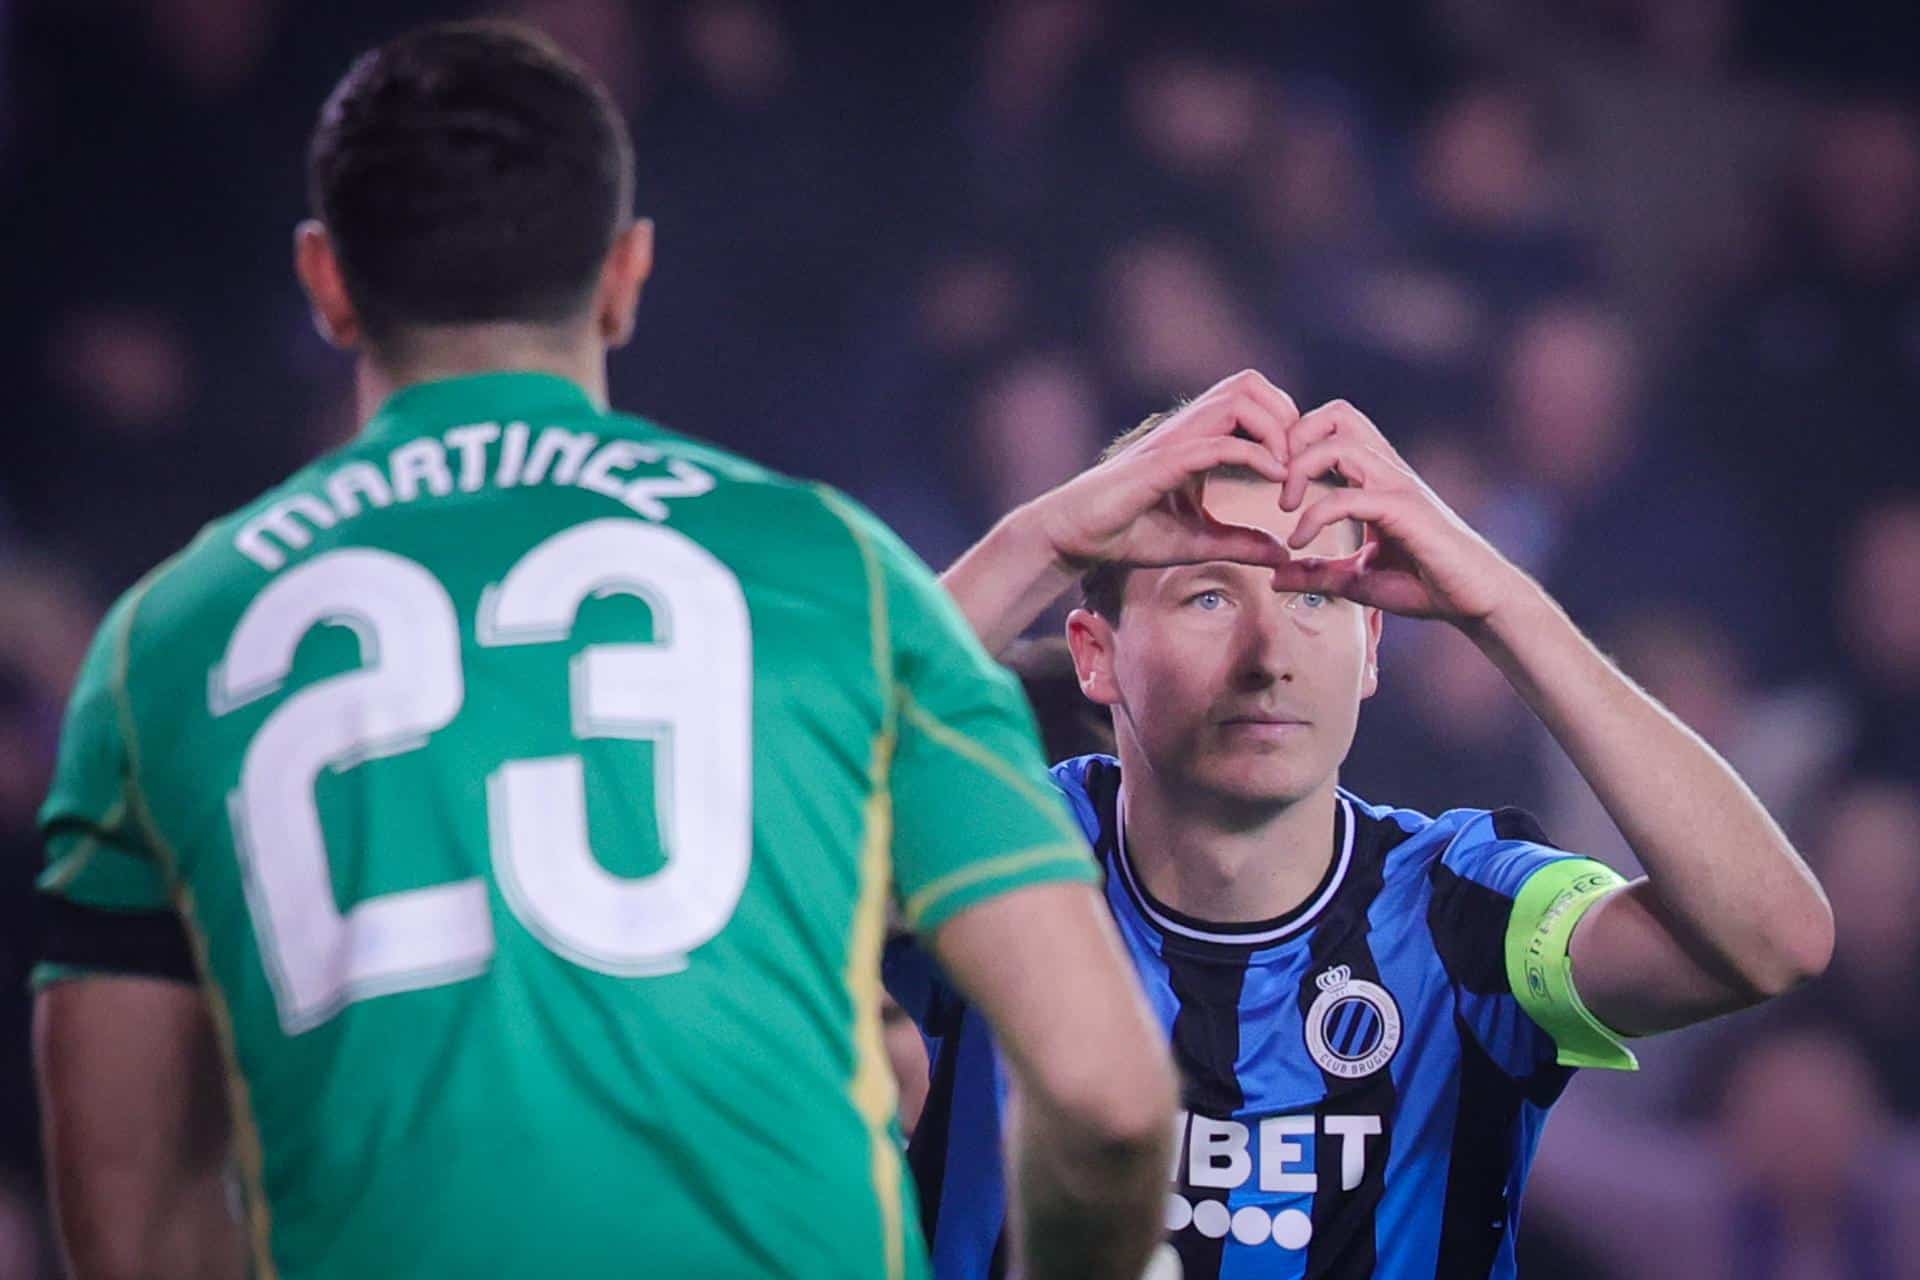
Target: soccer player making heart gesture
[1373, 1009]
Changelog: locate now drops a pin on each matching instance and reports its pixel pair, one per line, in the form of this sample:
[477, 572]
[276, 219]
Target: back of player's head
[469, 173]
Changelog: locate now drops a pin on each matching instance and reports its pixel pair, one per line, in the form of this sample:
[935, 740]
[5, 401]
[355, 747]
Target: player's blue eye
[1312, 600]
[1208, 600]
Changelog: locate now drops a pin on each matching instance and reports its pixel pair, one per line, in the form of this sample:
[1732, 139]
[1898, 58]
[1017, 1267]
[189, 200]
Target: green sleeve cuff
[47, 974]
[1540, 967]
[953, 893]
[85, 869]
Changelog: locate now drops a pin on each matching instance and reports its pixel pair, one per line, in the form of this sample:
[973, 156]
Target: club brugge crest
[1353, 1026]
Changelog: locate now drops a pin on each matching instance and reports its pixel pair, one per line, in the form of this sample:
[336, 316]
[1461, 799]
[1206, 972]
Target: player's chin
[1260, 774]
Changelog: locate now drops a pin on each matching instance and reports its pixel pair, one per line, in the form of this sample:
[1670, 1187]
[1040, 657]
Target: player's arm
[1090, 1131]
[1728, 914]
[132, 1099]
[990, 867]
[136, 1126]
[1140, 507]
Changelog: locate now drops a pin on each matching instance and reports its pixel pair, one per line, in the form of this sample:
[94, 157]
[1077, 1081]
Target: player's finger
[1246, 402]
[1338, 418]
[1260, 390]
[1204, 455]
[1369, 506]
[1357, 464]
[1173, 471]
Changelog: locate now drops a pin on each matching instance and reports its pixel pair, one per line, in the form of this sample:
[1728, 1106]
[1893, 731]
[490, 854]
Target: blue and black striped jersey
[1363, 1092]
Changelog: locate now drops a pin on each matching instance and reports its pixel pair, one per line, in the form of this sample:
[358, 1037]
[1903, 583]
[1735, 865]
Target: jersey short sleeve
[1505, 902]
[104, 900]
[974, 815]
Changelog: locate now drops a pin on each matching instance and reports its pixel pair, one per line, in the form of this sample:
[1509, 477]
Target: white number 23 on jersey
[689, 691]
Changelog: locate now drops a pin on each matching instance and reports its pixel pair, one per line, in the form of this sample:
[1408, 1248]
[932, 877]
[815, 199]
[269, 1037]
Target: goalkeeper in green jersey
[481, 843]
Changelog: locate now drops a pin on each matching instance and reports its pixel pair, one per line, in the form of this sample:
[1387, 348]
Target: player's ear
[1090, 637]
[629, 263]
[318, 267]
[1370, 676]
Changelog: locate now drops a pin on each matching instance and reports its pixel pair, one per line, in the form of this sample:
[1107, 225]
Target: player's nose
[1268, 648]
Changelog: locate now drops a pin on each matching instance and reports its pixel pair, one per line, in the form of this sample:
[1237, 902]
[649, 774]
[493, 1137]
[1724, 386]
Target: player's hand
[1142, 507]
[1419, 558]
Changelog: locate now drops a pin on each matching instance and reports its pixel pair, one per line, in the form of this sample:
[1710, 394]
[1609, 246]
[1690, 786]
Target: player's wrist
[1512, 609]
[1042, 534]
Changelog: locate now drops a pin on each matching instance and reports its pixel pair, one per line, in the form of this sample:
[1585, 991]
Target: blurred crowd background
[1635, 283]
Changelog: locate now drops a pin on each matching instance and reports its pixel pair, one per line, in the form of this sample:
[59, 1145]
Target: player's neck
[1227, 869]
[460, 352]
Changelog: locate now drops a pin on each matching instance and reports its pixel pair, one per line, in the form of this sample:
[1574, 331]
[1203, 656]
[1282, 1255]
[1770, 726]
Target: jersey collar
[1257, 933]
[480, 397]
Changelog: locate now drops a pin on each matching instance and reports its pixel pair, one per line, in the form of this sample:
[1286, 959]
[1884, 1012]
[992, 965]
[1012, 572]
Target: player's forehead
[1256, 502]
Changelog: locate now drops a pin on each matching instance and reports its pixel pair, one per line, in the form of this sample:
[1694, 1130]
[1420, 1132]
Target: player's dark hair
[469, 173]
[1104, 583]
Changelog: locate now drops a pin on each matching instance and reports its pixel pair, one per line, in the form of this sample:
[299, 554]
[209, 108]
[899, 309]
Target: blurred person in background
[43, 627]
[318, 912]
[1333, 276]
[1798, 1176]
[1173, 319]
[1492, 201]
[1866, 844]
[1610, 505]
[1459, 735]
[1787, 741]
[922, 347]
[1879, 634]
[1823, 329]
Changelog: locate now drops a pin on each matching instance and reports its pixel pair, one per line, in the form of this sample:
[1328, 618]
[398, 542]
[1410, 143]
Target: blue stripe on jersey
[1407, 1226]
[955, 1156]
[1364, 1095]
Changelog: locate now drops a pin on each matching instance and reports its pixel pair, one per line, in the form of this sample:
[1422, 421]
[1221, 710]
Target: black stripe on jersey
[1478, 1213]
[1208, 979]
[144, 944]
[1343, 1245]
[1102, 781]
[1518, 824]
[927, 1152]
[1469, 921]
[1469, 926]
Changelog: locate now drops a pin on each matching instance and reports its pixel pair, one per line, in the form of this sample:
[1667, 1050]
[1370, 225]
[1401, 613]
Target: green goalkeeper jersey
[531, 783]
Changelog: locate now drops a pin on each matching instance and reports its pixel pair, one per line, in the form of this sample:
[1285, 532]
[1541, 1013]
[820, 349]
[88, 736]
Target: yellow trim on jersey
[1006, 864]
[252, 1158]
[879, 622]
[1043, 798]
[872, 1088]
[69, 868]
[874, 1094]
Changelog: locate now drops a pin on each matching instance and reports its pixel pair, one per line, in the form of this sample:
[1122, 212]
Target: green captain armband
[1540, 967]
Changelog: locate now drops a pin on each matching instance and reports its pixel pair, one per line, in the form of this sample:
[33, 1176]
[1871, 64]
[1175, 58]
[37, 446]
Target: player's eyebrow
[1184, 576]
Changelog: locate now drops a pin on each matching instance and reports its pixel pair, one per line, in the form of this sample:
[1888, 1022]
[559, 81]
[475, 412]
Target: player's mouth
[1260, 727]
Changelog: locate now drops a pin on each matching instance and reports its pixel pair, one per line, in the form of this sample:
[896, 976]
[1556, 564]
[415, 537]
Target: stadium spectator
[1880, 634]
[1867, 849]
[1800, 1178]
